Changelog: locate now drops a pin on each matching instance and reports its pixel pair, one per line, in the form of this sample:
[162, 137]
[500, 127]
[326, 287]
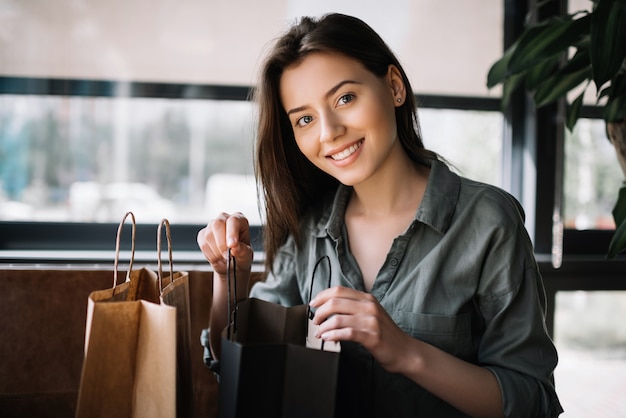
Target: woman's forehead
[319, 72]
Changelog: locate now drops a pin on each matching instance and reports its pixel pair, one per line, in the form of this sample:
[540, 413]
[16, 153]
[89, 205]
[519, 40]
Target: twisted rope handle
[165, 222]
[117, 247]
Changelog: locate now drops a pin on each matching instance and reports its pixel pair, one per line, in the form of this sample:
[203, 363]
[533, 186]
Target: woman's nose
[331, 128]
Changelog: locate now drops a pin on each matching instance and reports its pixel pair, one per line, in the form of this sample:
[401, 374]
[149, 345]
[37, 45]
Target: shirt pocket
[451, 333]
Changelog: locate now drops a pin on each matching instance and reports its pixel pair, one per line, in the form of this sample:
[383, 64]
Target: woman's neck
[396, 188]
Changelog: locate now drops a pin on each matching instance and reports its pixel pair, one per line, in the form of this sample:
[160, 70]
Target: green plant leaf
[618, 242]
[619, 211]
[615, 109]
[509, 87]
[499, 71]
[573, 112]
[558, 85]
[581, 59]
[608, 39]
[618, 85]
[541, 72]
[546, 40]
[605, 92]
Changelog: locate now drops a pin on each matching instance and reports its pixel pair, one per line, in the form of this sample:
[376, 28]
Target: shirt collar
[436, 209]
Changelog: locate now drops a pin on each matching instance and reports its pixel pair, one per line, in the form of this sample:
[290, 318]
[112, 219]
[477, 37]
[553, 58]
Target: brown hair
[291, 184]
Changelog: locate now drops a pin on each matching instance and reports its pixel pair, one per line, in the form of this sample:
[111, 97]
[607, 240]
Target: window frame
[71, 237]
[86, 243]
[526, 129]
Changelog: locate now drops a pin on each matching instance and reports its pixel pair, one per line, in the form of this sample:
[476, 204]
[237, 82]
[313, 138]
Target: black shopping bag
[266, 368]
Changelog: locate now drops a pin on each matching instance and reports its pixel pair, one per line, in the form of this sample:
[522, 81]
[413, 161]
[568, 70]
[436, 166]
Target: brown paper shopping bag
[129, 368]
[175, 292]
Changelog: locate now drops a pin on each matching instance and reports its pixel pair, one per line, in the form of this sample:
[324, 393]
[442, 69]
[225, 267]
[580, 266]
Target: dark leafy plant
[564, 53]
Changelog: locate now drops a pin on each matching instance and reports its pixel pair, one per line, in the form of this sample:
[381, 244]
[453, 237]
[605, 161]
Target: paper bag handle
[165, 222]
[117, 247]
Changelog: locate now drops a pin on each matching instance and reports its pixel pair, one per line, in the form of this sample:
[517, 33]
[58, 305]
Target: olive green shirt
[462, 277]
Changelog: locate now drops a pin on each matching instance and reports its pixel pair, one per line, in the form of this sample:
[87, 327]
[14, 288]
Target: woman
[436, 297]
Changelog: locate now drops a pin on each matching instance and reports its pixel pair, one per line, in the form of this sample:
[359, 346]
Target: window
[593, 177]
[469, 140]
[590, 377]
[143, 106]
[77, 159]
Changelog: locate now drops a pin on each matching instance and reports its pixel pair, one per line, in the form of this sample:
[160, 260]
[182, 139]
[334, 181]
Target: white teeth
[346, 152]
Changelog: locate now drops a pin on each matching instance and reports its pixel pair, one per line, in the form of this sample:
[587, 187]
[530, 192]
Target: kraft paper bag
[175, 292]
[129, 367]
[266, 368]
[130, 361]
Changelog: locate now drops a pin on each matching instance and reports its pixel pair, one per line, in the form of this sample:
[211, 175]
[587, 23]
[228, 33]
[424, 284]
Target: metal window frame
[75, 243]
[527, 131]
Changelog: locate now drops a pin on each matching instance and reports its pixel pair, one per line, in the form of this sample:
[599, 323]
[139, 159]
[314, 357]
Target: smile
[347, 152]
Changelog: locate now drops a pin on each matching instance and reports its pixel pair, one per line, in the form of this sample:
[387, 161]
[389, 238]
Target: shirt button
[394, 262]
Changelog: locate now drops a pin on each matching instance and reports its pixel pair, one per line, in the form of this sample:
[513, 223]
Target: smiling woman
[351, 135]
[414, 250]
[341, 95]
[98, 97]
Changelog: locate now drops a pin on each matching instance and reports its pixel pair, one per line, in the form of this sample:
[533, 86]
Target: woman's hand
[227, 232]
[349, 315]
[221, 234]
[345, 314]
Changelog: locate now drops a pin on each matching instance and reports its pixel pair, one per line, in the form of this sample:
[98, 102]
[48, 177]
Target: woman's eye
[304, 120]
[346, 98]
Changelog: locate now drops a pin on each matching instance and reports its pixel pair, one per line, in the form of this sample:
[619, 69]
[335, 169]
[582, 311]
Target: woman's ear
[396, 82]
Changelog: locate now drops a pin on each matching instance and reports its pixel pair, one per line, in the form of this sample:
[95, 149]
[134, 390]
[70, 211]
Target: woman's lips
[342, 155]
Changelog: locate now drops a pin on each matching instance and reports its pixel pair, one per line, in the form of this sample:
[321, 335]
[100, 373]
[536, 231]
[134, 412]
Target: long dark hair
[290, 184]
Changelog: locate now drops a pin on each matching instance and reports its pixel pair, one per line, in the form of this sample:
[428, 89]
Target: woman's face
[342, 115]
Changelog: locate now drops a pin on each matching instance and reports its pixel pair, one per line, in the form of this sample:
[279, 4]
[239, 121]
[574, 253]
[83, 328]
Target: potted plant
[553, 57]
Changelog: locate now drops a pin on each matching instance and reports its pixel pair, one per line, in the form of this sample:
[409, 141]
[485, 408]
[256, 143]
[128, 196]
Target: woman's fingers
[337, 292]
[237, 231]
[224, 232]
[342, 300]
[349, 327]
[349, 315]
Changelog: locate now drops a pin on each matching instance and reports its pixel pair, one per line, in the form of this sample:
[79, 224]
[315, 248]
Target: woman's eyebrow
[329, 93]
[338, 86]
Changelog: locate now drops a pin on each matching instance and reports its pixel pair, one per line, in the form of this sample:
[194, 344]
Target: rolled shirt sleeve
[515, 344]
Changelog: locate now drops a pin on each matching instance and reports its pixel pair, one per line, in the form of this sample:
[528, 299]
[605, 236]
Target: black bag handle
[309, 313]
[232, 314]
[207, 356]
